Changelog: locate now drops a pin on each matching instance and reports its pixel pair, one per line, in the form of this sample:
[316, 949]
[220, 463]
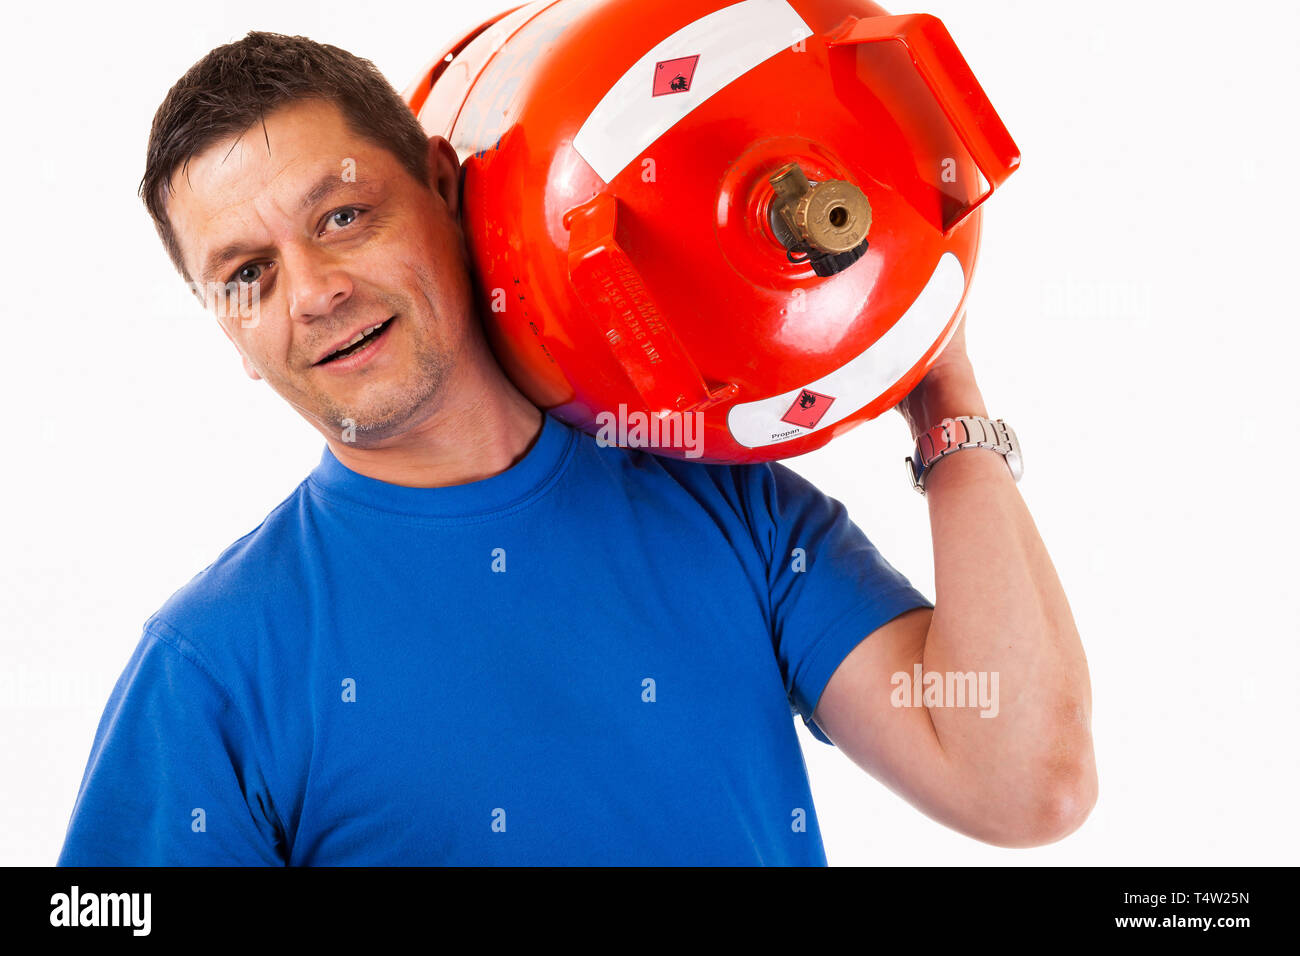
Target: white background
[1133, 316]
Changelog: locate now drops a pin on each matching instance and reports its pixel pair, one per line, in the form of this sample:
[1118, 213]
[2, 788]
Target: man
[474, 634]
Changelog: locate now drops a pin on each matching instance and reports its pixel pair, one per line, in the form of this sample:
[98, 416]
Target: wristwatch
[966, 431]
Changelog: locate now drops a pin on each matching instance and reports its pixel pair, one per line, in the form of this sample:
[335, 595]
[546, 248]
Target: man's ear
[445, 173]
[248, 366]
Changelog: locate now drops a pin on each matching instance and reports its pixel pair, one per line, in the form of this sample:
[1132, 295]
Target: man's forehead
[289, 160]
[287, 149]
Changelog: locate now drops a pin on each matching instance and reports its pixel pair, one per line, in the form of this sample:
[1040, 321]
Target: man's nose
[317, 283]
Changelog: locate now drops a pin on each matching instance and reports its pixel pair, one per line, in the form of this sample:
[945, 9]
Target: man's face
[338, 238]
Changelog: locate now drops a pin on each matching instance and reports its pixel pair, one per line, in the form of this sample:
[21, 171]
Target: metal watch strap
[966, 431]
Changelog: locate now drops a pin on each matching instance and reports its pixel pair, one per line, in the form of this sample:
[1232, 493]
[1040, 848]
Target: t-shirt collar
[512, 488]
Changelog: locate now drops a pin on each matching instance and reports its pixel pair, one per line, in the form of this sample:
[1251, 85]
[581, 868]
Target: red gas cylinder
[722, 231]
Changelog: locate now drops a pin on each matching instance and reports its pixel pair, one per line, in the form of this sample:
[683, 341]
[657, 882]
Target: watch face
[1014, 461]
[912, 473]
[1015, 464]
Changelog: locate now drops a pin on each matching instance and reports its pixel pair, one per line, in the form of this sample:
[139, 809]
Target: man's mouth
[363, 340]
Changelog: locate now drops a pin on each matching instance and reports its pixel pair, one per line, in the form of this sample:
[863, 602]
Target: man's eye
[248, 274]
[345, 216]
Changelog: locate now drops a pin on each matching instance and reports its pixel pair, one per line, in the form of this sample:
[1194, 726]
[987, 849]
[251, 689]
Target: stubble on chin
[388, 408]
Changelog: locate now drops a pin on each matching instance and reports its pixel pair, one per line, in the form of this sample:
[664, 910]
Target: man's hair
[236, 85]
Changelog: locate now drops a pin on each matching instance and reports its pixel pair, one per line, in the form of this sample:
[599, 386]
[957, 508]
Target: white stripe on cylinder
[866, 377]
[730, 42]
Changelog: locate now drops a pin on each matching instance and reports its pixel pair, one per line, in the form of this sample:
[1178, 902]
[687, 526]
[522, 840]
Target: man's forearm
[1000, 609]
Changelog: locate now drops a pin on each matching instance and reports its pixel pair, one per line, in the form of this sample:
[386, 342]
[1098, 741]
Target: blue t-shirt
[592, 657]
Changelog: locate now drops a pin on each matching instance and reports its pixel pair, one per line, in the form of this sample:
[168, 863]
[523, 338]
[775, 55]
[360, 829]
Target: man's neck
[476, 443]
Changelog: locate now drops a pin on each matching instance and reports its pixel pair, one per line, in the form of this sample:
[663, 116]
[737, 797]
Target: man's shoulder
[647, 465]
[249, 577]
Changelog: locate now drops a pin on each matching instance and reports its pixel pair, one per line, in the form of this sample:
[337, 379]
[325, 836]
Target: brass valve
[827, 220]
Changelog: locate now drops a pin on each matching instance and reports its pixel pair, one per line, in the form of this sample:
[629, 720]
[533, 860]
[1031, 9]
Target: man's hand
[951, 371]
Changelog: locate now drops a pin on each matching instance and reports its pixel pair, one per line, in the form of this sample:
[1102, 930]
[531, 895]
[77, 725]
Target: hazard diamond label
[674, 76]
[808, 409]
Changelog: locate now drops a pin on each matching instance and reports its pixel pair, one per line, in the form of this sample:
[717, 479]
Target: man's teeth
[356, 338]
[359, 336]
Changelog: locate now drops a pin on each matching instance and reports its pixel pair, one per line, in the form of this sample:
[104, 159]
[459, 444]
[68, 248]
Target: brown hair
[236, 85]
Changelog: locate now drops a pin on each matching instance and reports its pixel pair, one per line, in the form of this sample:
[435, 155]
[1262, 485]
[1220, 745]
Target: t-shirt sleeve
[171, 780]
[829, 586]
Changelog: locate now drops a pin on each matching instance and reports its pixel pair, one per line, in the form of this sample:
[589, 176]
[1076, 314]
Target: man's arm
[171, 779]
[1026, 776]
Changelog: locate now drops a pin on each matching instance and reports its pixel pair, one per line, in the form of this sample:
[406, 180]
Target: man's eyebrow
[223, 255]
[326, 186]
